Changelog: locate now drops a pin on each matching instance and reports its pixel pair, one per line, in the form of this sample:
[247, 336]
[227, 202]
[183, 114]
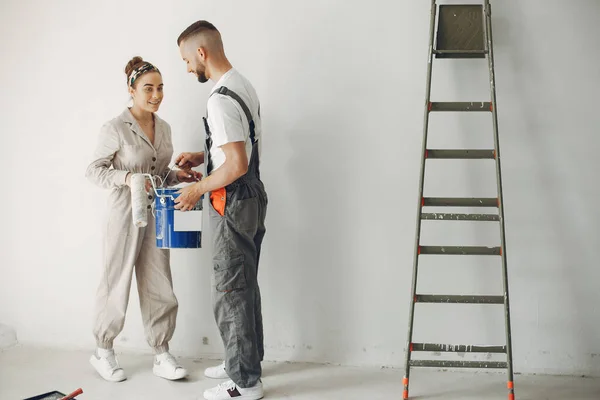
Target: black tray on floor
[48, 396]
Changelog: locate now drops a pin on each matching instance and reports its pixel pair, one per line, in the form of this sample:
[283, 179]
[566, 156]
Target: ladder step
[461, 154]
[458, 299]
[459, 202]
[460, 106]
[460, 250]
[459, 217]
[458, 364]
[460, 53]
[456, 348]
[461, 31]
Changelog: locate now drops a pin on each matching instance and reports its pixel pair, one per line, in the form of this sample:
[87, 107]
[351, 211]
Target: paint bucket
[176, 229]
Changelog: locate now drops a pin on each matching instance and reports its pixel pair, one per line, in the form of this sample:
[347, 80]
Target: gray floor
[26, 372]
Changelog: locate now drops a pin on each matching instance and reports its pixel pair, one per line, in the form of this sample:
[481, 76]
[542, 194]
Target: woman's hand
[188, 176]
[148, 182]
[149, 185]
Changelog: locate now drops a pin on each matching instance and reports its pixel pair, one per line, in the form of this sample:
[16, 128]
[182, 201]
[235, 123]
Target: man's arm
[235, 166]
[228, 135]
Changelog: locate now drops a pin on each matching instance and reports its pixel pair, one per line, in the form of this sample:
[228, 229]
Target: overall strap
[227, 92]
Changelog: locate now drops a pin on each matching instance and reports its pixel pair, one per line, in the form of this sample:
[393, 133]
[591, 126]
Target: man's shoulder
[240, 89]
[220, 101]
[222, 98]
[236, 78]
[239, 84]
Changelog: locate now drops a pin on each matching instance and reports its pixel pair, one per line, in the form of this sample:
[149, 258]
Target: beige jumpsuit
[125, 146]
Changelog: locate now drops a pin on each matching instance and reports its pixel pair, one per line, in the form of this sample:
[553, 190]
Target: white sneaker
[106, 364]
[229, 390]
[217, 372]
[165, 366]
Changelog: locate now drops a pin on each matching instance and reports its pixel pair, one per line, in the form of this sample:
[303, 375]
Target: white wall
[8, 337]
[342, 85]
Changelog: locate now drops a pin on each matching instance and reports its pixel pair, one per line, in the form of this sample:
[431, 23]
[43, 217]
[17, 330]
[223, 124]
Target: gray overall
[237, 239]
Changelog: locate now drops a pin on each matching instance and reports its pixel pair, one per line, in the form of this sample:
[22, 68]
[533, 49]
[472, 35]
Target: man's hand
[186, 161]
[188, 197]
[188, 176]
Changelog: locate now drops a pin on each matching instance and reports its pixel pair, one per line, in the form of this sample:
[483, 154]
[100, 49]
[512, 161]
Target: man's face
[195, 61]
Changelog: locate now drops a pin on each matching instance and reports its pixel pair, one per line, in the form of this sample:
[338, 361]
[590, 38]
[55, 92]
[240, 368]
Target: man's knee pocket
[230, 273]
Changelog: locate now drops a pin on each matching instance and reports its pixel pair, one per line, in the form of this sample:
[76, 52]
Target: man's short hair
[194, 29]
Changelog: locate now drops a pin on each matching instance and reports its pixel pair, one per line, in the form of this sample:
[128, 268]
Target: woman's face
[148, 92]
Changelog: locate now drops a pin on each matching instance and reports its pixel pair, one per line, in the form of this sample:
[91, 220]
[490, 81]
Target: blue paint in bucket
[166, 235]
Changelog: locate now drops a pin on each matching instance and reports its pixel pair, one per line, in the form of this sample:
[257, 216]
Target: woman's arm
[99, 171]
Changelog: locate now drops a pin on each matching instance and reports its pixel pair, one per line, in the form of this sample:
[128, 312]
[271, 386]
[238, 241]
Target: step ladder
[463, 31]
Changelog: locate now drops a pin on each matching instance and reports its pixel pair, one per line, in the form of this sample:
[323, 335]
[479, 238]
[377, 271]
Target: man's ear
[201, 53]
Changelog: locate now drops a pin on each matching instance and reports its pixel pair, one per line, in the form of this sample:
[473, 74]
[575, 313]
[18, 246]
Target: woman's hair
[137, 66]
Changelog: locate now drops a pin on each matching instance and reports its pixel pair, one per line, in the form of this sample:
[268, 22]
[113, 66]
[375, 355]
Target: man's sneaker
[106, 364]
[229, 390]
[165, 366]
[217, 372]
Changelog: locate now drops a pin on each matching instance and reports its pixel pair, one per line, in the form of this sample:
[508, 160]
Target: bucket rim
[168, 190]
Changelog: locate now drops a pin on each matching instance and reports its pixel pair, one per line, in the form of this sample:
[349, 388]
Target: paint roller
[139, 196]
[139, 200]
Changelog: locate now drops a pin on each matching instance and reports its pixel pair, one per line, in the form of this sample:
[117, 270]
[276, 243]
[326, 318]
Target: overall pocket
[244, 215]
[230, 274]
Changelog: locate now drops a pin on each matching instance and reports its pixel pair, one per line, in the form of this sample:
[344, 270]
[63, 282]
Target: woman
[137, 141]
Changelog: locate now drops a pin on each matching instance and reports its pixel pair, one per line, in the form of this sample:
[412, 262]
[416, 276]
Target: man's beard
[201, 76]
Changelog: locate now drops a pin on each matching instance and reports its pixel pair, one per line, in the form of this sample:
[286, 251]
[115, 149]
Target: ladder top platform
[460, 32]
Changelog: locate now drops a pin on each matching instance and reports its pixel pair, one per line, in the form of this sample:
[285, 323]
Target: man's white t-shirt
[226, 118]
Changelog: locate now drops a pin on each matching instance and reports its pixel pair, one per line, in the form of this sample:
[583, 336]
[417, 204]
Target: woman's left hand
[188, 176]
[148, 185]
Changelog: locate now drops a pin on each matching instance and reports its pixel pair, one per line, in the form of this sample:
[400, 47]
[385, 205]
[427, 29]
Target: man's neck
[219, 70]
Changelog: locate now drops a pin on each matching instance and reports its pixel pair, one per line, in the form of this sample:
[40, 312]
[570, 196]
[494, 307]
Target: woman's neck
[141, 115]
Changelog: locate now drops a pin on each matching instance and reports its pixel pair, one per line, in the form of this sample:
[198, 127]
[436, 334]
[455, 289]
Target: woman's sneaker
[165, 366]
[106, 364]
[217, 372]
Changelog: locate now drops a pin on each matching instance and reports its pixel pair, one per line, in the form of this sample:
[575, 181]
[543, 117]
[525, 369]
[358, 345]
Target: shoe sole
[245, 397]
[217, 377]
[169, 378]
[92, 359]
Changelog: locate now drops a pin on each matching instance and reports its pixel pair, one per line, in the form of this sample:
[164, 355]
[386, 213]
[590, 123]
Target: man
[238, 204]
